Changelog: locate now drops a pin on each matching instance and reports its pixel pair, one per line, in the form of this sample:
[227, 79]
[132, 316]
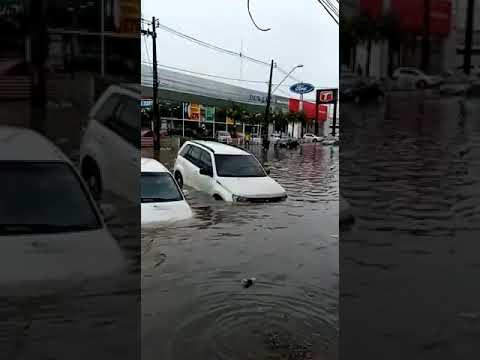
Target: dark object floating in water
[248, 282]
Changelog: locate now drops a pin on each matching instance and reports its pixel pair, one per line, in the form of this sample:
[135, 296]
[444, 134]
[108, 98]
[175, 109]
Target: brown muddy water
[193, 302]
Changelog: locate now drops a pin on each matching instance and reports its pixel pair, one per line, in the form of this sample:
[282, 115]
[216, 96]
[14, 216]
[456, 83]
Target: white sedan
[162, 199]
[309, 137]
[51, 231]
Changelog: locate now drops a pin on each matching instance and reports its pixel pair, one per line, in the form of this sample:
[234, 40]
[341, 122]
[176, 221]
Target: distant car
[256, 139]
[162, 199]
[309, 137]
[225, 172]
[51, 230]
[362, 91]
[146, 138]
[224, 136]
[417, 77]
[110, 147]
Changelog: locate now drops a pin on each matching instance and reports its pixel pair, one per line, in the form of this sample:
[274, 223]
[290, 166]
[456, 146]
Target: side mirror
[185, 192]
[206, 172]
[267, 171]
[108, 212]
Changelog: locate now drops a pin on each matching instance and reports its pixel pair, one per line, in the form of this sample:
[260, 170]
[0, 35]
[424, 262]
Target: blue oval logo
[302, 88]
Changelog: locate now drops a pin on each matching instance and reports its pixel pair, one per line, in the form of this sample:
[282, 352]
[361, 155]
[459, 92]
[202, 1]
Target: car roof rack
[203, 145]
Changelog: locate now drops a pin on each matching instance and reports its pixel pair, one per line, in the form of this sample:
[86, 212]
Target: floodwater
[193, 303]
[410, 171]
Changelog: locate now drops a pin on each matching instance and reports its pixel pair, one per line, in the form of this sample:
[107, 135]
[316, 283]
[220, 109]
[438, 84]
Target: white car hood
[59, 257]
[252, 186]
[165, 212]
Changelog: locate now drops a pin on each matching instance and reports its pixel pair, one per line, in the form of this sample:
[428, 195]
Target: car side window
[194, 155]
[206, 160]
[105, 113]
[127, 121]
[185, 150]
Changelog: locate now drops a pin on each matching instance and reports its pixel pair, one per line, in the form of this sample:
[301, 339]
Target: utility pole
[467, 61]
[426, 35]
[267, 109]
[39, 51]
[156, 117]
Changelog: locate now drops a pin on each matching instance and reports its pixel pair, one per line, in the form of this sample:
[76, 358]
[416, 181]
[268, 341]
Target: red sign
[309, 109]
[371, 8]
[325, 96]
[410, 14]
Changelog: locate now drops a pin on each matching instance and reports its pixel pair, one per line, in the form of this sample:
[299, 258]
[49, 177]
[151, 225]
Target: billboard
[410, 14]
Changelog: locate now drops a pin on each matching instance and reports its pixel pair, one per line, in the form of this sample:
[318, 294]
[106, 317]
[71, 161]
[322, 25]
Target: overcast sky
[301, 33]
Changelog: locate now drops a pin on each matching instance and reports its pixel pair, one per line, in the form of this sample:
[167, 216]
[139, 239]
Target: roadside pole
[426, 35]
[156, 119]
[39, 51]
[467, 62]
[267, 108]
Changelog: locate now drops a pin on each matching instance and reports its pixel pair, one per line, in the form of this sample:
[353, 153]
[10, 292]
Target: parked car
[147, 138]
[256, 139]
[362, 91]
[417, 77]
[162, 199]
[456, 83]
[309, 137]
[225, 172]
[51, 229]
[110, 147]
[224, 137]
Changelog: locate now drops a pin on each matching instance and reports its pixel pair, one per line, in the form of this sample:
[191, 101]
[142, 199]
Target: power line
[208, 75]
[211, 46]
[253, 21]
[328, 11]
[331, 6]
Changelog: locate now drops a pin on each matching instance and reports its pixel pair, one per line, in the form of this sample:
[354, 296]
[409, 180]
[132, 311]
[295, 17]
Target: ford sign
[302, 88]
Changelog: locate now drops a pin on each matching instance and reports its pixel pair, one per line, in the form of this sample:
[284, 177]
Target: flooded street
[410, 171]
[193, 303]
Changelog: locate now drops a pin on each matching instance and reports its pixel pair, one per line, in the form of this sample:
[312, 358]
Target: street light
[291, 71]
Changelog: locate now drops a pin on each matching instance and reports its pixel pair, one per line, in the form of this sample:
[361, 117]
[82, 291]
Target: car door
[125, 148]
[205, 182]
[192, 167]
[97, 139]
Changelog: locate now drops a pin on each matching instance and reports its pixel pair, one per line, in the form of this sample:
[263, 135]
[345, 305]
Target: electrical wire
[209, 75]
[211, 46]
[253, 21]
[331, 6]
[328, 11]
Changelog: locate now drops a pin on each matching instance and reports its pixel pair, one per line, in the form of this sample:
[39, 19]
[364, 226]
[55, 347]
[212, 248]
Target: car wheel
[91, 175]
[179, 179]
[314, 140]
[422, 84]
[217, 197]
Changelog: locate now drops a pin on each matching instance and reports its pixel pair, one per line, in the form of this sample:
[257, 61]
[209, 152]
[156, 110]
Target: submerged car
[162, 199]
[225, 172]
[110, 147]
[51, 230]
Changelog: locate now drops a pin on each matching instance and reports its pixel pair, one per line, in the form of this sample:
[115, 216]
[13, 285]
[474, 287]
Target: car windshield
[159, 187]
[43, 197]
[238, 166]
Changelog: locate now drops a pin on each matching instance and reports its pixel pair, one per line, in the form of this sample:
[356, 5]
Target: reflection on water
[193, 302]
[411, 174]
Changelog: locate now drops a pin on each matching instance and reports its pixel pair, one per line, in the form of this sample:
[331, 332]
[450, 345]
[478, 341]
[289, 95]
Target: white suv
[225, 172]
[110, 148]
